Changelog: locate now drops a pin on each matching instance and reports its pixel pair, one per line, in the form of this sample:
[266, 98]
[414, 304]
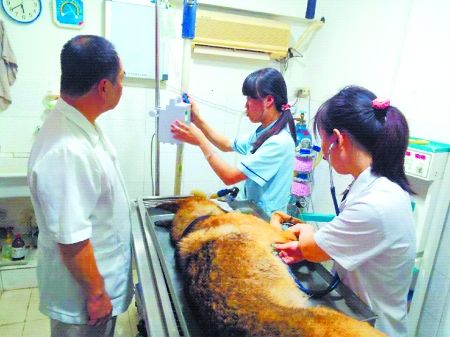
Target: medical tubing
[335, 280]
[315, 293]
[335, 203]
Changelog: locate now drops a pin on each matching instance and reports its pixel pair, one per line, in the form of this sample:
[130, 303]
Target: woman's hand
[289, 252]
[305, 248]
[279, 218]
[187, 133]
[195, 114]
[296, 229]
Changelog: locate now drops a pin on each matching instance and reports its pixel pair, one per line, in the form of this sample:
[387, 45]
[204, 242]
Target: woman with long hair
[269, 151]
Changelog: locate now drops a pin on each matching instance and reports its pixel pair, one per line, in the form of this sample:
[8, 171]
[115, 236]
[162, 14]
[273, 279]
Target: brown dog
[240, 287]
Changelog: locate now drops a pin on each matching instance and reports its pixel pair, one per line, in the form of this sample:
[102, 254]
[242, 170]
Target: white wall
[216, 84]
[421, 86]
[390, 47]
[398, 49]
[36, 47]
[361, 44]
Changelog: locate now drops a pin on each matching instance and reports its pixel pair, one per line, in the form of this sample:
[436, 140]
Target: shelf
[13, 185]
[28, 262]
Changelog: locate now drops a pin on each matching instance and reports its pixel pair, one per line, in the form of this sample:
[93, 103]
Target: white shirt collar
[361, 183]
[78, 118]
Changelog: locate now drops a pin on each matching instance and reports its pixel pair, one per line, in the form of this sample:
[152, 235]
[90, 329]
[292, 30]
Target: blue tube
[310, 9]
[189, 13]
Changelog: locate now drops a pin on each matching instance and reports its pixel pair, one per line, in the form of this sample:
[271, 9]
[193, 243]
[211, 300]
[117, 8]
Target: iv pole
[188, 33]
[157, 100]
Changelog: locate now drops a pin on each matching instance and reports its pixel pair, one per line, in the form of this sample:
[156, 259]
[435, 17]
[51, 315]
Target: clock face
[23, 11]
[69, 13]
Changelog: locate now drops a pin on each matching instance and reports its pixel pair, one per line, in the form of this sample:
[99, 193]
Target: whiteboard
[130, 26]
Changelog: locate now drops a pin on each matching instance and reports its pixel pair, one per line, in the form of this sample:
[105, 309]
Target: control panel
[417, 163]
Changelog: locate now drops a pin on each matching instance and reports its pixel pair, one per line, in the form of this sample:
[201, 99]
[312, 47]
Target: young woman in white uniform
[372, 240]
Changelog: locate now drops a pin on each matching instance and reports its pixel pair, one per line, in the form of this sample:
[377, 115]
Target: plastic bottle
[304, 139]
[6, 248]
[18, 248]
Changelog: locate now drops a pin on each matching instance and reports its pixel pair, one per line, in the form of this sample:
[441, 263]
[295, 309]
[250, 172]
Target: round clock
[69, 13]
[22, 11]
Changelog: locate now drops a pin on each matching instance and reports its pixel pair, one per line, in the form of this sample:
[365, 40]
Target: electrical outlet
[302, 92]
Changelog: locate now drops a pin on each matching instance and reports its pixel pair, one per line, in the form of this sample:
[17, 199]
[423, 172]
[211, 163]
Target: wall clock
[68, 13]
[22, 11]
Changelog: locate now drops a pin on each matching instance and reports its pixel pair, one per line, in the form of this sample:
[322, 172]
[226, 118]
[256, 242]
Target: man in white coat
[80, 201]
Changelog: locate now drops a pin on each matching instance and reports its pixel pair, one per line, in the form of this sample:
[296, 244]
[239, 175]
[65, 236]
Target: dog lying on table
[239, 286]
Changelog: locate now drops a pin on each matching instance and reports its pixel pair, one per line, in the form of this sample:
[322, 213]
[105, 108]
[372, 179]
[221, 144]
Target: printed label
[18, 253]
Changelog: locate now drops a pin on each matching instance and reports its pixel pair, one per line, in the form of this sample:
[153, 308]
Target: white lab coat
[373, 244]
[78, 193]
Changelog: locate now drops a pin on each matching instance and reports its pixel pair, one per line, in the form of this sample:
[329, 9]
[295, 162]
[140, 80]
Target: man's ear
[102, 88]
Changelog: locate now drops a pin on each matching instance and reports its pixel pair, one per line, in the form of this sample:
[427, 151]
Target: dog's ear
[171, 206]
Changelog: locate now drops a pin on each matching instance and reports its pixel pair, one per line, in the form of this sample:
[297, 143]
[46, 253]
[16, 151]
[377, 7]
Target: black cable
[335, 203]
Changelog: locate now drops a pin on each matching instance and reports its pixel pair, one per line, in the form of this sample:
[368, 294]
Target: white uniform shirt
[373, 244]
[269, 170]
[78, 193]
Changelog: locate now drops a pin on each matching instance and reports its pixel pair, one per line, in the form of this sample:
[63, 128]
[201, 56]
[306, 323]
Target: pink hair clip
[285, 107]
[381, 103]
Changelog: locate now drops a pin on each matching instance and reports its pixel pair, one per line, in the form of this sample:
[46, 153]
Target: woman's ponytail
[388, 154]
[380, 129]
[285, 119]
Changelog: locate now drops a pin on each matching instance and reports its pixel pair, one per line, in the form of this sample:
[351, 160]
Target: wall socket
[303, 92]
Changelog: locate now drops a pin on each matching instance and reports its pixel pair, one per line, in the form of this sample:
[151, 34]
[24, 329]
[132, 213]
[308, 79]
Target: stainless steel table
[161, 297]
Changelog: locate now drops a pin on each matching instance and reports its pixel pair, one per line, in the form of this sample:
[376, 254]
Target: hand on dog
[279, 217]
[186, 133]
[296, 229]
[289, 252]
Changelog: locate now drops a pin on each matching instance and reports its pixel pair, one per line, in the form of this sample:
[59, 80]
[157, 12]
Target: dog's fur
[240, 287]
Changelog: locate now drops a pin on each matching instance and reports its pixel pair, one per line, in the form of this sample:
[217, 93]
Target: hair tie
[285, 107]
[381, 103]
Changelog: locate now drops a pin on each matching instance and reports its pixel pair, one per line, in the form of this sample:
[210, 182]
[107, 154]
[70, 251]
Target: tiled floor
[20, 317]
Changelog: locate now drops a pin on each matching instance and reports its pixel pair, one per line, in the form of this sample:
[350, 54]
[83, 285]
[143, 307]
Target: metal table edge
[160, 320]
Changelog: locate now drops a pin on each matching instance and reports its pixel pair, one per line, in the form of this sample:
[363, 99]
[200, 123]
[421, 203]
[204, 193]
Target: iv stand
[188, 33]
[157, 101]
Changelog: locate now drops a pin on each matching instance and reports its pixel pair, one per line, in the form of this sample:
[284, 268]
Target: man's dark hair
[85, 60]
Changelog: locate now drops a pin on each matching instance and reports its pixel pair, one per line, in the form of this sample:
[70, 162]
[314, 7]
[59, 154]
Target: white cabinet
[428, 171]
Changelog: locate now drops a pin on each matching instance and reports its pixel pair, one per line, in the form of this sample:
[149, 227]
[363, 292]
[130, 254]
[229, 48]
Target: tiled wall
[435, 319]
